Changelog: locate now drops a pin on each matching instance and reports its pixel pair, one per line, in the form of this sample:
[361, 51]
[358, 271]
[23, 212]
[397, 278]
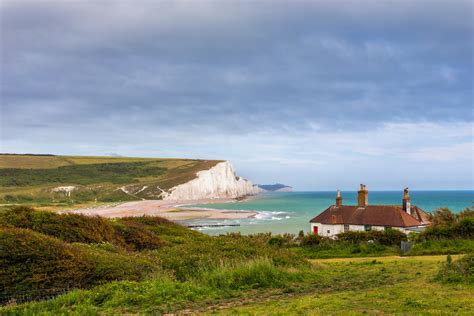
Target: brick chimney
[338, 198]
[363, 196]
[406, 202]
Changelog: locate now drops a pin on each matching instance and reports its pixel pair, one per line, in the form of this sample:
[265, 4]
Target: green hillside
[67, 180]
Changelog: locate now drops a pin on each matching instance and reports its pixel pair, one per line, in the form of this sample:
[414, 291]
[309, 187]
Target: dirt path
[384, 259]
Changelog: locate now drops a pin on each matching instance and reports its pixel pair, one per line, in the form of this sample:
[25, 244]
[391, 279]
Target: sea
[290, 212]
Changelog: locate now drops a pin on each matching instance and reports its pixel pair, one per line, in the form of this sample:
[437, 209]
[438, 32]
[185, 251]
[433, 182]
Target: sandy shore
[172, 210]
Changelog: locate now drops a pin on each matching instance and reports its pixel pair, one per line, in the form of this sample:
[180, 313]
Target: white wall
[339, 228]
[323, 229]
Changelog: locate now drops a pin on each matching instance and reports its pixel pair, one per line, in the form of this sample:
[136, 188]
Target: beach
[177, 210]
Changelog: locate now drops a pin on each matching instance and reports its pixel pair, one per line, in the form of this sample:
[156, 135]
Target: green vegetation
[461, 270]
[409, 290]
[150, 265]
[48, 252]
[35, 179]
[117, 173]
[449, 234]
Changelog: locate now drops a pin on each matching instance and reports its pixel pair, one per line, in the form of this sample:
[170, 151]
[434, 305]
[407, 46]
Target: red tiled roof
[379, 215]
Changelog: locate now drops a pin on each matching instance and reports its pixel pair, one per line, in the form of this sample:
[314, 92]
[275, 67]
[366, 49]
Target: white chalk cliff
[219, 181]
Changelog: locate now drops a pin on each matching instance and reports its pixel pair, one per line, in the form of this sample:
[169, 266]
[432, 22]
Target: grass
[50, 161]
[30, 179]
[259, 287]
[409, 289]
[117, 173]
[347, 250]
[442, 247]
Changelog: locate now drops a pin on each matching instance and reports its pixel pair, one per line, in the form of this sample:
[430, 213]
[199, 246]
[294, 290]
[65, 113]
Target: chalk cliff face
[218, 182]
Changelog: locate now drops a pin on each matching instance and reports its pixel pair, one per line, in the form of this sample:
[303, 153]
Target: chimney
[406, 202]
[363, 196]
[338, 198]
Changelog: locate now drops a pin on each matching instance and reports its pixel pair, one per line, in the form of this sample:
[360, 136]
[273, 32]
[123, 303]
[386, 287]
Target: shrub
[282, 240]
[468, 212]
[458, 271]
[136, 236]
[443, 217]
[67, 227]
[353, 236]
[463, 229]
[389, 237]
[30, 261]
[73, 227]
[311, 240]
[276, 241]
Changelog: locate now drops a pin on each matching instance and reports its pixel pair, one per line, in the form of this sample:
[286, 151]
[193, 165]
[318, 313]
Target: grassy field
[409, 289]
[377, 286]
[34, 179]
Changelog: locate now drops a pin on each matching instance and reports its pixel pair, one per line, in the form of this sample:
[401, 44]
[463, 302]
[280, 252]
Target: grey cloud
[92, 70]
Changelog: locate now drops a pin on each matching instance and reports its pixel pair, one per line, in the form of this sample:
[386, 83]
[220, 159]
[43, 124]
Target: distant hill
[68, 180]
[278, 187]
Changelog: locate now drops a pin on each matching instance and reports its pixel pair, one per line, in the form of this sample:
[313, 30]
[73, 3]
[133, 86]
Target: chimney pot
[363, 196]
[406, 201]
[338, 198]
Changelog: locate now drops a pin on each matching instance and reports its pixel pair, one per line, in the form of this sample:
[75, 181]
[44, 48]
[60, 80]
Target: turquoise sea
[290, 212]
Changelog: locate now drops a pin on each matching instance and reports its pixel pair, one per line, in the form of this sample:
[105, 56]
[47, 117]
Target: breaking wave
[268, 215]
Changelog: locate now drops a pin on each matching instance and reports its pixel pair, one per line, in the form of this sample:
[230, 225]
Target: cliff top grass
[32, 179]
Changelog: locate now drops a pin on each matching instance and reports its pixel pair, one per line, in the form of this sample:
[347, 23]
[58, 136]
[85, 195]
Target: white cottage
[340, 218]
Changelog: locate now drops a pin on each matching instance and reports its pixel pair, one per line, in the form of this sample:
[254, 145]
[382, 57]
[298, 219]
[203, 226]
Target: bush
[136, 236]
[30, 261]
[458, 271]
[388, 237]
[67, 227]
[443, 217]
[132, 233]
[311, 240]
[463, 229]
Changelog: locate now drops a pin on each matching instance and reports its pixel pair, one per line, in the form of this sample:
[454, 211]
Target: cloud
[307, 84]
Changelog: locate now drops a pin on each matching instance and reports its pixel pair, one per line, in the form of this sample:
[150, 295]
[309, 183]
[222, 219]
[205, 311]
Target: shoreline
[174, 210]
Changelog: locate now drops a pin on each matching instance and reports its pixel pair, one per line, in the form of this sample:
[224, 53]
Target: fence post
[405, 246]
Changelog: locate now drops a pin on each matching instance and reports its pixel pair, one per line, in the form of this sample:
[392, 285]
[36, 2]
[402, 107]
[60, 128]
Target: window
[367, 227]
[329, 231]
[346, 227]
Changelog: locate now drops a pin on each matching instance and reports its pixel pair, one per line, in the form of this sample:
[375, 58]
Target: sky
[319, 95]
